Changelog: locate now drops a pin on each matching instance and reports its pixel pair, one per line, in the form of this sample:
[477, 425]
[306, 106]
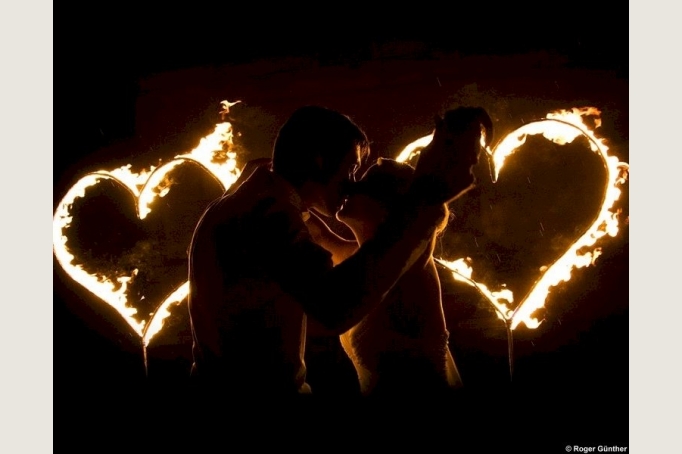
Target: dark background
[140, 87]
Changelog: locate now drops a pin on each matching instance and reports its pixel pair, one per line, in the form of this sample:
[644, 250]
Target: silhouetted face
[333, 193]
[363, 214]
[370, 199]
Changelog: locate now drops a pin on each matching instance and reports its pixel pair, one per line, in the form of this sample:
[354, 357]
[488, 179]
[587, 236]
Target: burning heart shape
[211, 155]
[145, 187]
[560, 127]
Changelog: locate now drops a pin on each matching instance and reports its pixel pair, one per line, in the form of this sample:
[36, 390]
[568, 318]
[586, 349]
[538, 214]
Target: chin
[340, 216]
[340, 212]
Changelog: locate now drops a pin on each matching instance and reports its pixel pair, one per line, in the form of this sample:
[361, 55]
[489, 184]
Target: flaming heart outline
[560, 127]
[146, 186]
[213, 155]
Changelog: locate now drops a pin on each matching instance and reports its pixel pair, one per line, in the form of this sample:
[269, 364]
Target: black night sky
[140, 88]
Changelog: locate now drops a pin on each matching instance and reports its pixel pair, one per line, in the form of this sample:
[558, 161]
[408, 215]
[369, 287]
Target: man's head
[318, 151]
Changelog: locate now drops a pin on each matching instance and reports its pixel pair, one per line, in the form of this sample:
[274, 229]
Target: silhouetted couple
[263, 265]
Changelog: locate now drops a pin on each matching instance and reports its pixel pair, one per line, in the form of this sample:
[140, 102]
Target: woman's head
[380, 190]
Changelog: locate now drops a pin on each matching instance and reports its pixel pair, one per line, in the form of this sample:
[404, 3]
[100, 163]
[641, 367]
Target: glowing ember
[413, 149]
[156, 322]
[560, 127]
[462, 272]
[212, 154]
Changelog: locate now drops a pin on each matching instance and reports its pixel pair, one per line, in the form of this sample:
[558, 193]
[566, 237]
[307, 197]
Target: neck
[362, 232]
[296, 195]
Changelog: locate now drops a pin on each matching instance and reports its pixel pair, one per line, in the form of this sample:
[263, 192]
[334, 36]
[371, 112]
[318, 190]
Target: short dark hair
[314, 142]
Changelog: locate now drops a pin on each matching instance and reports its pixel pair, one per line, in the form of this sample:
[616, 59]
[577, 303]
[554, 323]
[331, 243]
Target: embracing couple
[263, 266]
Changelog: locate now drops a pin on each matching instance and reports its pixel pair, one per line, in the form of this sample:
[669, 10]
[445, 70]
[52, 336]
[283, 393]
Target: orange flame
[560, 127]
[145, 186]
[500, 299]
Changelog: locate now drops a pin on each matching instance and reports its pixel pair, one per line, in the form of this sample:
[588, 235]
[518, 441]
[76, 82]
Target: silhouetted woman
[401, 348]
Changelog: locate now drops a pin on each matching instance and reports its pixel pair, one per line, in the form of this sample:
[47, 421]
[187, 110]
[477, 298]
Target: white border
[655, 88]
[26, 115]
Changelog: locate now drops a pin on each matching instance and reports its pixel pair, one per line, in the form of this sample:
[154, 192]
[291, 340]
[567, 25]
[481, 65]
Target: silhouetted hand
[443, 171]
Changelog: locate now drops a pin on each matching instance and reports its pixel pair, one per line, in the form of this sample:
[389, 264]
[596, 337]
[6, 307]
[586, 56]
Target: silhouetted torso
[402, 347]
[249, 334]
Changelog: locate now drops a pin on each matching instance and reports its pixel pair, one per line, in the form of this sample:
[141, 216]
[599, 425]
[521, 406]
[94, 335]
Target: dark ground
[153, 91]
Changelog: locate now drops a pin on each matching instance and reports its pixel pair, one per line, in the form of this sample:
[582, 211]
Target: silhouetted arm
[338, 297]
